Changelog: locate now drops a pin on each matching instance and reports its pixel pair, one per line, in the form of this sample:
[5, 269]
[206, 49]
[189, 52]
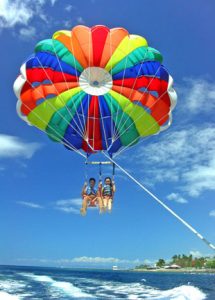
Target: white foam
[110, 289]
[40, 278]
[6, 296]
[70, 289]
[11, 285]
[135, 291]
[133, 297]
[63, 286]
[11, 289]
[184, 292]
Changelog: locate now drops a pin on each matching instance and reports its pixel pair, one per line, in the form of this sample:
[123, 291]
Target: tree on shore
[210, 264]
[185, 261]
[160, 263]
[144, 266]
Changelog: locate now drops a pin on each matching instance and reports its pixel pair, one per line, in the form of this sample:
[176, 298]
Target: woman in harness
[90, 197]
[108, 191]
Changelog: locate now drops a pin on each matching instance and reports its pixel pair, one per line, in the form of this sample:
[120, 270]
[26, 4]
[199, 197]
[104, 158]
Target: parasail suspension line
[113, 171]
[163, 204]
[86, 169]
[100, 171]
[99, 163]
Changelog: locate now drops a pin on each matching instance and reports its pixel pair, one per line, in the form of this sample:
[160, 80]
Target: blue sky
[40, 181]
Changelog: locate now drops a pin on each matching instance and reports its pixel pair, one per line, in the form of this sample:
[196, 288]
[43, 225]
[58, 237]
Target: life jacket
[91, 191]
[107, 190]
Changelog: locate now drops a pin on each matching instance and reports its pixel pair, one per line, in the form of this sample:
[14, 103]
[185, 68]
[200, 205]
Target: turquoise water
[53, 283]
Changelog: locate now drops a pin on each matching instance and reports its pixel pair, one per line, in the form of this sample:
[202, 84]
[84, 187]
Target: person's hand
[85, 183]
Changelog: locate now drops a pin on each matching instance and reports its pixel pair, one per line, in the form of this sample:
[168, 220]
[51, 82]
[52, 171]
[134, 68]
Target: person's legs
[100, 204]
[105, 202]
[91, 201]
[109, 204]
[83, 210]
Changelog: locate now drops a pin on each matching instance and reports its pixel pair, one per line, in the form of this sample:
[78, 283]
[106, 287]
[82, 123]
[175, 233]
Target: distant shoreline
[182, 270]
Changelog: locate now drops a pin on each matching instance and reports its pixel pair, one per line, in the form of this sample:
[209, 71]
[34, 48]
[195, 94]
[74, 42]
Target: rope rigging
[100, 164]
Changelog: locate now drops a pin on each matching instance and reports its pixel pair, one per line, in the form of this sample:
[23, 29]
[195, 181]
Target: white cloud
[12, 146]
[149, 262]
[80, 20]
[196, 253]
[103, 260]
[200, 178]
[177, 198]
[198, 94]
[70, 209]
[28, 32]
[95, 260]
[24, 17]
[185, 157]
[84, 261]
[14, 12]
[68, 202]
[67, 23]
[69, 7]
[120, 176]
[21, 13]
[53, 2]
[69, 205]
[212, 213]
[29, 204]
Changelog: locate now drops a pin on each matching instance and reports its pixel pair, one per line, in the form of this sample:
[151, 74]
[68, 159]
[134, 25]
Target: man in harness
[91, 197]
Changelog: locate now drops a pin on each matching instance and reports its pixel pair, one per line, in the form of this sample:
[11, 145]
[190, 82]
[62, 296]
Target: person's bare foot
[83, 212]
[101, 210]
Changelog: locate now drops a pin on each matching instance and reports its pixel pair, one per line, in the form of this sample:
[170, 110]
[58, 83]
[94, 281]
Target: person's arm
[83, 192]
[99, 188]
[113, 186]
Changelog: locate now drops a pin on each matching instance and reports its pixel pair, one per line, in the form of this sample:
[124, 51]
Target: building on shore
[173, 266]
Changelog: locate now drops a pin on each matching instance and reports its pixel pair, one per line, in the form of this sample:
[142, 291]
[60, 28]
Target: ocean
[56, 283]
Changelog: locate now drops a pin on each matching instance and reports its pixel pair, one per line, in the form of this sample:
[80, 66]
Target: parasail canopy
[95, 89]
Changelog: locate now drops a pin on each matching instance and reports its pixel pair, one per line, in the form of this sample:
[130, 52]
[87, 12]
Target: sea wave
[11, 285]
[11, 289]
[183, 292]
[62, 286]
[103, 289]
[137, 291]
[7, 296]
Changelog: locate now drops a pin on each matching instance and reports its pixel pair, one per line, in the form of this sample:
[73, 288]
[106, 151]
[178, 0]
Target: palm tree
[160, 263]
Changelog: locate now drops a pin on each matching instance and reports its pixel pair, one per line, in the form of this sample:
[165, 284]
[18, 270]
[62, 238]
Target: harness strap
[113, 170]
[100, 171]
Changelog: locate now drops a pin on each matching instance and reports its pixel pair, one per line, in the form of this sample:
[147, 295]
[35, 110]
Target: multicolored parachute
[95, 89]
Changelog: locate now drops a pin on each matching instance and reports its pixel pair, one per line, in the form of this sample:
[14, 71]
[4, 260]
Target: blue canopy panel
[76, 129]
[47, 60]
[106, 124]
[114, 147]
[149, 68]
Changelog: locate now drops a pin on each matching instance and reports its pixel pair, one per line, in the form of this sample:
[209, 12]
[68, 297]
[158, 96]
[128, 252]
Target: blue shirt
[91, 190]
